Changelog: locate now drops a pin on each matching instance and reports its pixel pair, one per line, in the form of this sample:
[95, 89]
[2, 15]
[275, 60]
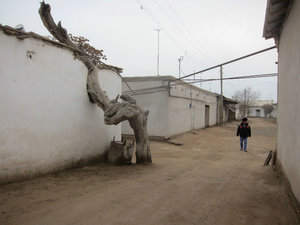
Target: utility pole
[201, 79]
[179, 64]
[245, 103]
[158, 30]
[194, 78]
[221, 99]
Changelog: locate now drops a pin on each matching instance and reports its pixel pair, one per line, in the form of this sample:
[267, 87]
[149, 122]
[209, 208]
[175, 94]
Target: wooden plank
[274, 2]
[278, 12]
[268, 159]
[274, 30]
[272, 22]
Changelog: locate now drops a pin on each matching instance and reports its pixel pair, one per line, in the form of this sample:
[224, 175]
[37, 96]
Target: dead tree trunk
[114, 111]
[128, 110]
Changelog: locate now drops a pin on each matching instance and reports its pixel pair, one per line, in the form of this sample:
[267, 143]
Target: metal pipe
[225, 63]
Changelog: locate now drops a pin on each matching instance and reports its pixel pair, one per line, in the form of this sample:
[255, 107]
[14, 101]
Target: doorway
[258, 113]
[193, 118]
[206, 115]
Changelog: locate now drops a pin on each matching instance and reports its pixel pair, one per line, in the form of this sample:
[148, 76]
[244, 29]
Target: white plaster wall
[213, 114]
[47, 121]
[180, 115]
[274, 112]
[182, 102]
[181, 118]
[253, 112]
[156, 103]
[171, 115]
[288, 98]
[225, 114]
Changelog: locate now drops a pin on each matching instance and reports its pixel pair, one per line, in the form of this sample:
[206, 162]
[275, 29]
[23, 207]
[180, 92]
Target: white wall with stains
[174, 111]
[288, 116]
[154, 101]
[47, 121]
[187, 109]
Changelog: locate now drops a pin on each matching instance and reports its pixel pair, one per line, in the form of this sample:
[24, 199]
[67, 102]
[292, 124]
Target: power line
[153, 18]
[177, 27]
[158, 30]
[162, 28]
[156, 21]
[188, 30]
[182, 72]
[164, 11]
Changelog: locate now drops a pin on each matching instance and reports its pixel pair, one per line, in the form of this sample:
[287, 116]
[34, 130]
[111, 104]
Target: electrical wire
[183, 33]
[161, 27]
[188, 30]
[156, 21]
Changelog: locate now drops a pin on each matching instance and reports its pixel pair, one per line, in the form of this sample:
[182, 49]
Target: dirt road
[206, 181]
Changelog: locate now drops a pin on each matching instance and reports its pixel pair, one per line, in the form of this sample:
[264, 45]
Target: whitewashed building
[257, 109]
[47, 121]
[175, 108]
[282, 22]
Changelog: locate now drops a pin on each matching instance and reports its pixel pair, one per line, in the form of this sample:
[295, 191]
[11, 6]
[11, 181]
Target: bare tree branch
[246, 98]
[268, 109]
[97, 95]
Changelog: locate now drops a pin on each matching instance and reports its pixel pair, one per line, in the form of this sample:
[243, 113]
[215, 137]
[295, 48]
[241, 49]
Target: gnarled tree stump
[114, 111]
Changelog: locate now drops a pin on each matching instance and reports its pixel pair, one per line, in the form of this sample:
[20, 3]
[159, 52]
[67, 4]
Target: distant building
[282, 22]
[257, 109]
[175, 108]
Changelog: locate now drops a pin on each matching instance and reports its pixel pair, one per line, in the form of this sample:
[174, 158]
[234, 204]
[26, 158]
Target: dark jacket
[243, 130]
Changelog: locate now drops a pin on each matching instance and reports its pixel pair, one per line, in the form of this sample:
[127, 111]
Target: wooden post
[221, 99]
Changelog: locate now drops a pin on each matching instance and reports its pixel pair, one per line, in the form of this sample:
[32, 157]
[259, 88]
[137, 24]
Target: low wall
[47, 121]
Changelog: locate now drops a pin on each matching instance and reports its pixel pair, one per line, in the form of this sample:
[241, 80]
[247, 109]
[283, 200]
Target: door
[258, 113]
[193, 118]
[206, 115]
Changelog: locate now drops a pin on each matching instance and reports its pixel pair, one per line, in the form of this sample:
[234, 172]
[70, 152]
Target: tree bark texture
[128, 110]
[95, 92]
[114, 111]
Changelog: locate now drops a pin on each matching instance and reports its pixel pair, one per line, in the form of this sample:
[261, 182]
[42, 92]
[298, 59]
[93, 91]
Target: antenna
[158, 30]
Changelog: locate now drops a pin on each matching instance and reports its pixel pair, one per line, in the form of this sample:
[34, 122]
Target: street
[206, 181]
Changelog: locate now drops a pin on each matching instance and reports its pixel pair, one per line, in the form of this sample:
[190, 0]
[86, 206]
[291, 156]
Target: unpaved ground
[208, 180]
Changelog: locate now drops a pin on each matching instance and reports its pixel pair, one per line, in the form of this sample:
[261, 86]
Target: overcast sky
[205, 33]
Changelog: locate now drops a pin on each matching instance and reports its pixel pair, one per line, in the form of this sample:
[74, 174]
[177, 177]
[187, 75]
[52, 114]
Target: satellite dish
[20, 27]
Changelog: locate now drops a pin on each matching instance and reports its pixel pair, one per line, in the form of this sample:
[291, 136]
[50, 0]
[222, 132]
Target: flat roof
[149, 78]
[181, 82]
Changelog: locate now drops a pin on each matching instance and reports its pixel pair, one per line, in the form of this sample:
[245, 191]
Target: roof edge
[23, 35]
[277, 12]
